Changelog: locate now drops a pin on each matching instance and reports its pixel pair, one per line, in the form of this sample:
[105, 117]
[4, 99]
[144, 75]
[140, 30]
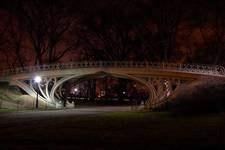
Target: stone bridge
[161, 79]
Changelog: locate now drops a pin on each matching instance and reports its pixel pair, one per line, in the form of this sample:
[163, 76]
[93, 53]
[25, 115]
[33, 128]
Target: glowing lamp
[37, 79]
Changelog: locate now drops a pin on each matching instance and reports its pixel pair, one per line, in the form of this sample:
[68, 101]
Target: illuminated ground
[108, 128]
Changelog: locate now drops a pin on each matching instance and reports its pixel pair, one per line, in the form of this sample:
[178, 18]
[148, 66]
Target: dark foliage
[205, 96]
[52, 31]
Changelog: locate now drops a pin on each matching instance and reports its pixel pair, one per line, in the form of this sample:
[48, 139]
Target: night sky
[51, 31]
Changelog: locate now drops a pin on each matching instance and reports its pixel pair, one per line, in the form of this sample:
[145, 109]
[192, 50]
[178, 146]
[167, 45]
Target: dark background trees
[51, 31]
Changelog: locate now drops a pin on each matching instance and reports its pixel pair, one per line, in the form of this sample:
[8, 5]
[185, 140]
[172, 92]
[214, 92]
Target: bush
[203, 96]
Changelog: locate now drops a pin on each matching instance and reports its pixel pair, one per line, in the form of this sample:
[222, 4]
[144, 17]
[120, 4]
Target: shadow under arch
[81, 77]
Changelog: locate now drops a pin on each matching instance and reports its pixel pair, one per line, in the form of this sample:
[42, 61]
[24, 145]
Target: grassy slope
[14, 95]
[8, 93]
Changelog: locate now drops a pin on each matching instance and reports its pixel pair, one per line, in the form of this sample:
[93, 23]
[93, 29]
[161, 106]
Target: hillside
[12, 97]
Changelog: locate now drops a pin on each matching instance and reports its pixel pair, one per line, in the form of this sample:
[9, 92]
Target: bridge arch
[150, 88]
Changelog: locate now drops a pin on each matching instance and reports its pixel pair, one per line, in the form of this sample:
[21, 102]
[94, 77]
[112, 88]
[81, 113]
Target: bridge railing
[194, 68]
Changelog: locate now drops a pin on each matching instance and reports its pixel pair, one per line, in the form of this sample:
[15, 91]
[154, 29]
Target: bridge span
[160, 79]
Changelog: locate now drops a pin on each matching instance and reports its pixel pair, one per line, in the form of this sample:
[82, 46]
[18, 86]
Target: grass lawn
[118, 130]
[140, 127]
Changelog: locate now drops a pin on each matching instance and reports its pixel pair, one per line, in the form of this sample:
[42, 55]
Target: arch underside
[50, 89]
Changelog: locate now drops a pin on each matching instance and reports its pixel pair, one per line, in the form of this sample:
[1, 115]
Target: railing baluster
[193, 68]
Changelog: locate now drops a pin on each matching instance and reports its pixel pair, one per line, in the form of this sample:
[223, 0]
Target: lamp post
[37, 80]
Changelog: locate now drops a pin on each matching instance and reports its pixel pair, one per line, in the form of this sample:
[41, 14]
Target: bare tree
[107, 31]
[46, 24]
[211, 31]
[161, 31]
[4, 26]
[60, 24]
[16, 43]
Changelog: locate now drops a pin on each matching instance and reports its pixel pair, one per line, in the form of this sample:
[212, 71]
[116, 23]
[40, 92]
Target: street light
[75, 90]
[37, 80]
